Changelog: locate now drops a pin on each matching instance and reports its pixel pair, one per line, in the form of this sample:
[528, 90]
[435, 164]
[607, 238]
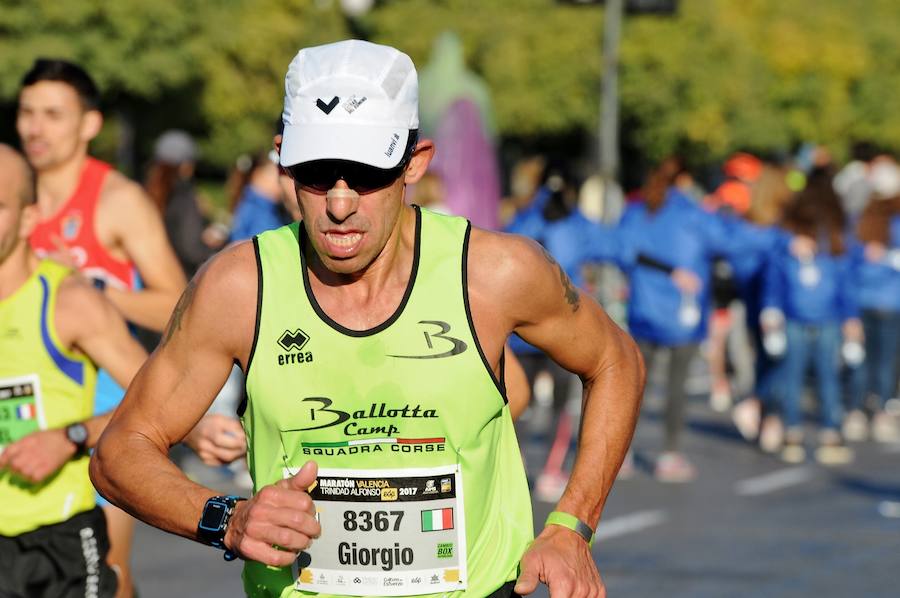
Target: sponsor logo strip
[358, 442]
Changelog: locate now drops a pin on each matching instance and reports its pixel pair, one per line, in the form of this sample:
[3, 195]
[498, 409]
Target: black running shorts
[65, 560]
[505, 591]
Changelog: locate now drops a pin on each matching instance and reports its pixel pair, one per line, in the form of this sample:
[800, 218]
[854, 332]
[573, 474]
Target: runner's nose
[341, 201]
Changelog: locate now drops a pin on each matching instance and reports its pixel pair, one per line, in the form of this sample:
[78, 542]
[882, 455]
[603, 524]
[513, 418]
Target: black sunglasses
[319, 176]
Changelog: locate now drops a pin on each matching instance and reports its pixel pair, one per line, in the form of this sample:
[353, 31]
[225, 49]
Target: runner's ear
[91, 124]
[419, 162]
[28, 220]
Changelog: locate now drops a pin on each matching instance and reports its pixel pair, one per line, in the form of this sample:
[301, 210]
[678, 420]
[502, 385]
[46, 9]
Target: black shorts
[64, 560]
[505, 591]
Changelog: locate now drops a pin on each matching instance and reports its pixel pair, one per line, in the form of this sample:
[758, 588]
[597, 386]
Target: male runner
[380, 440]
[96, 220]
[53, 328]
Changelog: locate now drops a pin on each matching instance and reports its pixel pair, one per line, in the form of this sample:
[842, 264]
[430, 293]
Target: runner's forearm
[610, 409]
[173, 502]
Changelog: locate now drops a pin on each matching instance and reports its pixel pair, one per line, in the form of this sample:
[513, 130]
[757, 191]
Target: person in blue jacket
[666, 245]
[757, 416]
[812, 299]
[877, 279]
[257, 203]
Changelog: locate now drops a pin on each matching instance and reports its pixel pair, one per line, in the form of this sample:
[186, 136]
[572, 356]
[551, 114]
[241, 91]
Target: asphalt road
[749, 525]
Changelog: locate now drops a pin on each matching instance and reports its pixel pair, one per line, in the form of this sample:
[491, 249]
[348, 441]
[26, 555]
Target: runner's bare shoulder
[121, 194]
[507, 271]
[220, 301]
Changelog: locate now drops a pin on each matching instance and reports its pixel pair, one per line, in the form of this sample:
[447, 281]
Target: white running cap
[351, 100]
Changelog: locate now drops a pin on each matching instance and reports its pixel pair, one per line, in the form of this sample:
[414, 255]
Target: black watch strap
[214, 522]
[77, 434]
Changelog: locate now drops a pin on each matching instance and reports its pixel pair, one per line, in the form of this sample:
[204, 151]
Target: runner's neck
[56, 185]
[375, 291]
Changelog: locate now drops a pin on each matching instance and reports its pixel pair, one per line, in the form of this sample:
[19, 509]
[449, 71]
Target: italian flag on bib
[437, 520]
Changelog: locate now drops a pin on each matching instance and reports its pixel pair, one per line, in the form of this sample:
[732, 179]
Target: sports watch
[214, 522]
[77, 434]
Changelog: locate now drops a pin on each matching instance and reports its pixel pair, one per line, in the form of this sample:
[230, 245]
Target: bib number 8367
[366, 521]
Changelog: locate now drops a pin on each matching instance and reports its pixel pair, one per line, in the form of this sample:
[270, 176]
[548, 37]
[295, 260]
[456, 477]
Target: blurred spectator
[257, 200]
[812, 301]
[878, 281]
[667, 244]
[769, 196]
[852, 181]
[524, 180]
[170, 183]
[429, 193]
[741, 171]
[688, 185]
[734, 195]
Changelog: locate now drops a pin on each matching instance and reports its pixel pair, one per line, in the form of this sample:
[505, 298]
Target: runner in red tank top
[71, 230]
[91, 216]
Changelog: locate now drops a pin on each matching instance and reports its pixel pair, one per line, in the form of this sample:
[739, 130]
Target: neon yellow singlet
[421, 488]
[42, 385]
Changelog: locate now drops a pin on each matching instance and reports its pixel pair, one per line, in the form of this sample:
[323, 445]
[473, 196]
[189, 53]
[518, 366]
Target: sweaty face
[348, 231]
[50, 122]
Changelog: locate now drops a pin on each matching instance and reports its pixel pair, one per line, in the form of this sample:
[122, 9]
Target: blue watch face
[213, 516]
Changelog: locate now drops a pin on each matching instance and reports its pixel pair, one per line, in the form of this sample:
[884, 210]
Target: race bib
[386, 533]
[21, 411]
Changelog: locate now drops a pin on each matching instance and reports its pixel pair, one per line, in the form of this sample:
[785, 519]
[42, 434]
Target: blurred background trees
[718, 76]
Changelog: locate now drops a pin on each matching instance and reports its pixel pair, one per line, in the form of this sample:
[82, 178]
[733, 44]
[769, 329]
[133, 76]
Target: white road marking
[889, 508]
[627, 524]
[773, 481]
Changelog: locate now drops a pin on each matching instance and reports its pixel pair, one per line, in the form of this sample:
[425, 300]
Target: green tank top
[421, 488]
[42, 385]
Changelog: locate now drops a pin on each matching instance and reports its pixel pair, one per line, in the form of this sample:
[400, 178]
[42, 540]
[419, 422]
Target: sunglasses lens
[313, 177]
[320, 176]
[367, 179]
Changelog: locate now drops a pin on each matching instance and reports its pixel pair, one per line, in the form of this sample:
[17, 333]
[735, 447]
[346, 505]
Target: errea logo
[293, 341]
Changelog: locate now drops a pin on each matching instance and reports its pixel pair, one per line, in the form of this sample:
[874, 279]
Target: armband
[573, 523]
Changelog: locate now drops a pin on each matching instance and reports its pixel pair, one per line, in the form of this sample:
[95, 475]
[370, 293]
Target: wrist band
[573, 523]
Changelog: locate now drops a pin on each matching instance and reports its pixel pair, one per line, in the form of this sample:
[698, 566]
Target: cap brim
[381, 147]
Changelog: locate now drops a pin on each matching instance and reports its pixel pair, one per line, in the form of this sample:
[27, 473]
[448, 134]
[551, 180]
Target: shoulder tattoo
[187, 298]
[569, 290]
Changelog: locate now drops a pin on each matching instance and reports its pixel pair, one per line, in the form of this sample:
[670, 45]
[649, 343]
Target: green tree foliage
[136, 51]
[719, 76]
[248, 48]
[541, 60]
[215, 67]
[130, 47]
[761, 74]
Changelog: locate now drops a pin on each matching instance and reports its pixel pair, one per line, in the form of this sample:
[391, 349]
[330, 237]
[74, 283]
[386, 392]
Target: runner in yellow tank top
[372, 335]
[55, 329]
